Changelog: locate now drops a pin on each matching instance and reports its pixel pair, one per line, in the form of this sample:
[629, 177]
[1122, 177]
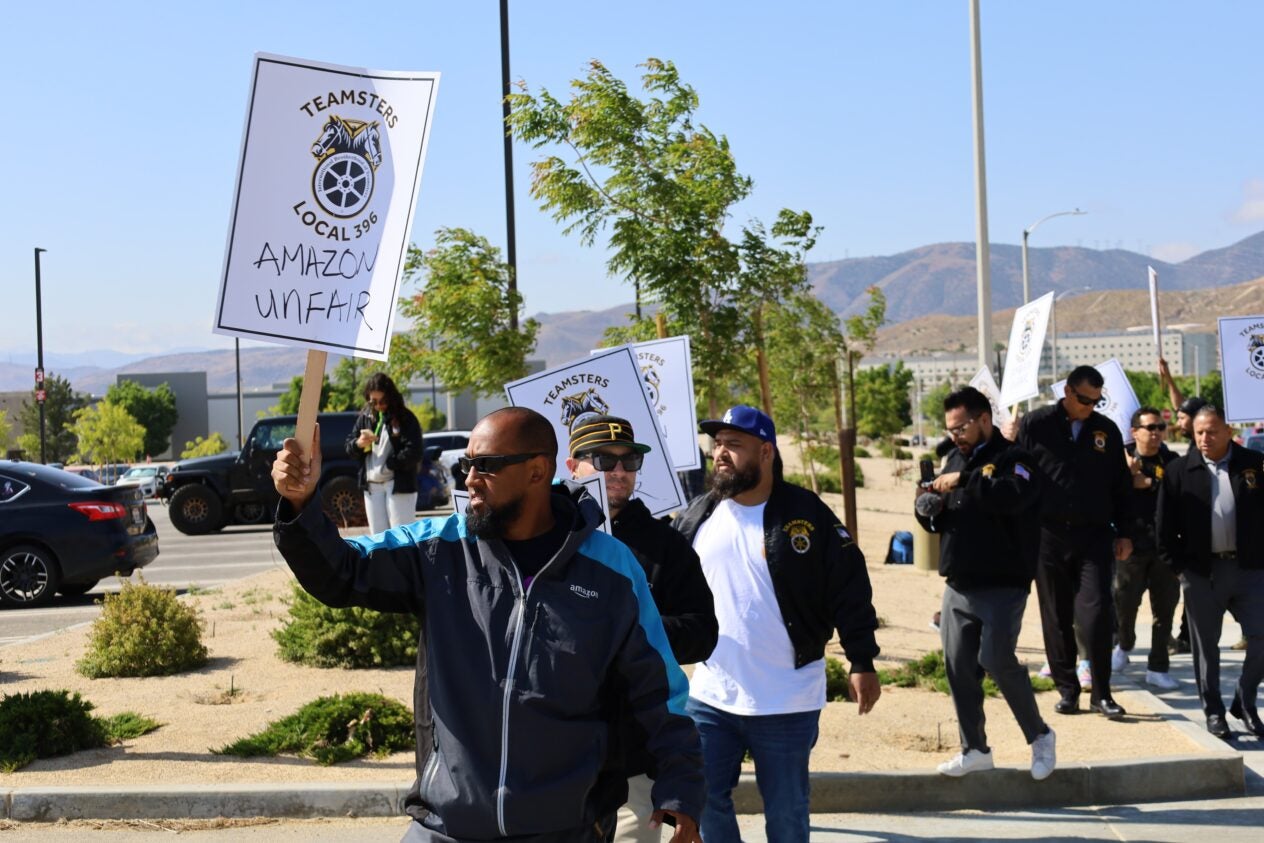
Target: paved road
[183, 562]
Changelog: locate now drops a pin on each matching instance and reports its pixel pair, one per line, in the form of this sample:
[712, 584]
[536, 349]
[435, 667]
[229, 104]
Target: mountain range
[930, 295]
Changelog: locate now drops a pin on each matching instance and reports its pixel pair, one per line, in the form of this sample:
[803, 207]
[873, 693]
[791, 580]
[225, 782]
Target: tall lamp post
[1027, 231]
[39, 352]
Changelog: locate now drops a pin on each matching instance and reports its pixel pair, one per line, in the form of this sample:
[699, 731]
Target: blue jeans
[780, 745]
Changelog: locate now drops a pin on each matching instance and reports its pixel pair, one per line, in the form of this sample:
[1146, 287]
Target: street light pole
[1053, 333]
[982, 250]
[39, 349]
[1027, 231]
[510, 234]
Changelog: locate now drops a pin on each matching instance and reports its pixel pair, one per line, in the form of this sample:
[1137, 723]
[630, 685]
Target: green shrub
[127, 725]
[333, 729]
[144, 630]
[320, 636]
[828, 480]
[836, 688]
[44, 724]
[861, 451]
[930, 672]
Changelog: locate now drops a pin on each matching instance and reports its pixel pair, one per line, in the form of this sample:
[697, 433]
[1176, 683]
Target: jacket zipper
[521, 608]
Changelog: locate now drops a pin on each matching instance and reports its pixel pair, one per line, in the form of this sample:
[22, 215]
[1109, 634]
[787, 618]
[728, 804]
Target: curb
[1118, 782]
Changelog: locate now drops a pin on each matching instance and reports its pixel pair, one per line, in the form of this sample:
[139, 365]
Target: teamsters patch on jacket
[800, 533]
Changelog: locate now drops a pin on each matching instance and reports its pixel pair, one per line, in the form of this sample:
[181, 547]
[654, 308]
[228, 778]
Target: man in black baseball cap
[608, 444]
[785, 573]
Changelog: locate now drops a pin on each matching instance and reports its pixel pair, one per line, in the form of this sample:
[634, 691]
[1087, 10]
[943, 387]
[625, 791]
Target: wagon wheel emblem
[343, 184]
[1257, 357]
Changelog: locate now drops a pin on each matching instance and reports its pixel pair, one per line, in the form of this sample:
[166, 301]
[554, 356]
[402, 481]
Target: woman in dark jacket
[387, 441]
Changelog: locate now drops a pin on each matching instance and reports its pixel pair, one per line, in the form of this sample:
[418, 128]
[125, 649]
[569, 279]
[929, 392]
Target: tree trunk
[761, 359]
[846, 450]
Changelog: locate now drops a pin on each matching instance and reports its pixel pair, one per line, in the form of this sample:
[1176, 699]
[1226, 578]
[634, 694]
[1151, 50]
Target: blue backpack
[900, 550]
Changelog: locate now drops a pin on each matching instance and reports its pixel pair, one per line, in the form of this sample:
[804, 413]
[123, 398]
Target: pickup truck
[206, 494]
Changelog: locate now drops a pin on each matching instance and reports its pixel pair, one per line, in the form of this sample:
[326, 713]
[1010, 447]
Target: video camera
[929, 503]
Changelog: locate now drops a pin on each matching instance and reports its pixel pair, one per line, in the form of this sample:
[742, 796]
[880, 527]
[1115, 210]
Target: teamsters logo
[800, 533]
[1099, 440]
[650, 365]
[1255, 350]
[1024, 341]
[348, 153]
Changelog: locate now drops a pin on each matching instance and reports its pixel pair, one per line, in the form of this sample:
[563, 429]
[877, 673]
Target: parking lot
[183, 562]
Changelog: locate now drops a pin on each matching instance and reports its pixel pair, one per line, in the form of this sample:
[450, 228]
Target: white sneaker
[1046, 671]
[1162, 681]
[1118, 659]
[1044, 755]
[968, 762]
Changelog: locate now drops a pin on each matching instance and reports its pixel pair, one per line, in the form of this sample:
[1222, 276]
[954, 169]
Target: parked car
[62, 533]
[85, 471]
[453, 443]
[1254, 441]
[148, 478]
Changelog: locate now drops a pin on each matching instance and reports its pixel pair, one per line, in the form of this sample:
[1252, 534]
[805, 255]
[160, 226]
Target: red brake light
[100, 510]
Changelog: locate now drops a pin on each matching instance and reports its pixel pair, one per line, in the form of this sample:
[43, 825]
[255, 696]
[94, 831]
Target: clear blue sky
[124, 123]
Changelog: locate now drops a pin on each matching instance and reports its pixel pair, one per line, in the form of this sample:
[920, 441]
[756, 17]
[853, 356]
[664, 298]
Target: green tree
[805, 342]
[6, 431]
[154, 409]
[461, 327]
[933, 401]
[207, 446]
[60, 405]
[107, 433]
[346, 385]
[287, 404]
[662, 185]
[1151, 392]
[882, 397]
[429, 416]
[773, 272]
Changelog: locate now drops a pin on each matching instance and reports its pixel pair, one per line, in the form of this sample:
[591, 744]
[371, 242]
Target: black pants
[1073, 580]
[1133, 577]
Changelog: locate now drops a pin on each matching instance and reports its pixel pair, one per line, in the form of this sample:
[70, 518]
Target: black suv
[205, 494]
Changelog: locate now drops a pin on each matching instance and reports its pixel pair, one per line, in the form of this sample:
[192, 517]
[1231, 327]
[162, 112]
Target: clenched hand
[295, 474]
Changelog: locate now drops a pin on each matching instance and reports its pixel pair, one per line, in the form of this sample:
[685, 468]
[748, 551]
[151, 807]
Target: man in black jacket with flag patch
[984, 506]
[607, 444]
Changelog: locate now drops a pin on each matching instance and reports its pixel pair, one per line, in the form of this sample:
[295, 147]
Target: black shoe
[1217, 726]
[1108, 708]
[1067, 705]
[1249, 716]
[1182, 646]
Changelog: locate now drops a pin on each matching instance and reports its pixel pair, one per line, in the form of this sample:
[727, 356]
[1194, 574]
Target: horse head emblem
[579, 403]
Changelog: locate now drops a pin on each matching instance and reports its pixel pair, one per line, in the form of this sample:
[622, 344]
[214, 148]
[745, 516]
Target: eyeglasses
[378, 402]
[607, 462]
[1157, 427]
[493, 464]
[960, 429]
[1083, 399]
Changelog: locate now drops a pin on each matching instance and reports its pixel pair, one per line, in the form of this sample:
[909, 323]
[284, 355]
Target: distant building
[1185, 353]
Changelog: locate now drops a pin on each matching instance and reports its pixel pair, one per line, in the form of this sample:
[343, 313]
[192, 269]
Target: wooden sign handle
[309, 398]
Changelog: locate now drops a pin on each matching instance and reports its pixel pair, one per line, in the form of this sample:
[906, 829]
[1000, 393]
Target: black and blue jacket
[512, 706]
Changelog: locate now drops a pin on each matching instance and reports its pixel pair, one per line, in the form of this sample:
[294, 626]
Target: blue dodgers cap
[745, 419]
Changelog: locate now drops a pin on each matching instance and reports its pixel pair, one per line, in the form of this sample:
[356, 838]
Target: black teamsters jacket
[1185, 510]
[820, 590]
[1086, 482]
[1145, 502]
[406, 448]
[683, 598]
[511, 719]
[989, 523]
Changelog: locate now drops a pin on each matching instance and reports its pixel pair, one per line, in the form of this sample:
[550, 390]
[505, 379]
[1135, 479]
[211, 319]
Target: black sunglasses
[1157, 427]
[493, 464]
[1084, 399]
[607, 462]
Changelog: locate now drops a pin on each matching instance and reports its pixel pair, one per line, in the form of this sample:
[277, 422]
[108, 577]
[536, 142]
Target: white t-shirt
[751, 670]
[375, 470]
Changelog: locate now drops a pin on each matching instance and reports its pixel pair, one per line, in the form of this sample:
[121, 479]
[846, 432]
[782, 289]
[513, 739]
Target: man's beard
[731, 484]
[492, 523]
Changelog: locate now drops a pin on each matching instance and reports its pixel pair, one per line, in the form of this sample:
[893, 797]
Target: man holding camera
[984, 507]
